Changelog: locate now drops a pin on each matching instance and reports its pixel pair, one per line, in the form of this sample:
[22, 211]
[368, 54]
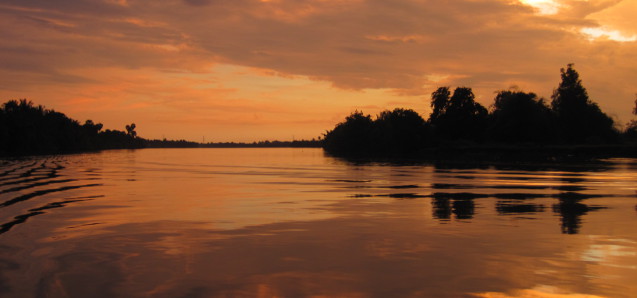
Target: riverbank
[495, 153]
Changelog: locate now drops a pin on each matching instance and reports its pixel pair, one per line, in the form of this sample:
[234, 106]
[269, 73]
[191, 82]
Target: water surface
[293, 222]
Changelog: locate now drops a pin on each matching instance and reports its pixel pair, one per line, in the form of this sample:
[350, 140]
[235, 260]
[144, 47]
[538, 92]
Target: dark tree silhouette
[91, 127]
[578, 118]
[29, 129]
[458, 116]
[400, 131]
[439, 103]
[353, 136]
[130, 130]
[520, 117]
[457, 123]
[33, 129]
[393, 133]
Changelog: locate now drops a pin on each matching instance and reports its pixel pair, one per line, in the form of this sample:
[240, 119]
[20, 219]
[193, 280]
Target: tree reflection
[506, 207]
[464, 208]
[441, 208]
[459, 204]
[571, 211]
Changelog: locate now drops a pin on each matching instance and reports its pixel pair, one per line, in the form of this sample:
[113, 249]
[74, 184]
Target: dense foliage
[456, 119]
[579, 119]
[457, 116]
[29, 129]
[26, 129]
[397, 132]
[518, 117]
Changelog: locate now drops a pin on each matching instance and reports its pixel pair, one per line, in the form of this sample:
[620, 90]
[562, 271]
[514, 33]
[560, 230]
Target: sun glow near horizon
[254, 70]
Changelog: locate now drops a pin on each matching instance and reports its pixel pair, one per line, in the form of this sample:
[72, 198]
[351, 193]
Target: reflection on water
[293, 222]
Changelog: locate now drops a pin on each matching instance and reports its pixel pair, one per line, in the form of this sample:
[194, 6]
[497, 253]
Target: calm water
[293, 222]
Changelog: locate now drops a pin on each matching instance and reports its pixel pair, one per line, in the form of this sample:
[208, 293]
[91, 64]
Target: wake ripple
[22, 181]
[40, 210]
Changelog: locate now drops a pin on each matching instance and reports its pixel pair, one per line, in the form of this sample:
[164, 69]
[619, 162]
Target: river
[287, 222]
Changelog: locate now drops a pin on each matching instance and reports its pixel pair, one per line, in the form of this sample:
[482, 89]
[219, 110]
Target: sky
[250, 70]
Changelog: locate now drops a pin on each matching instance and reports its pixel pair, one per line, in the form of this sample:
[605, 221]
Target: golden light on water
[294, 222]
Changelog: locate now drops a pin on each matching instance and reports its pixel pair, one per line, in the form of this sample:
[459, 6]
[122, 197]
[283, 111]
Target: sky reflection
[291, 222]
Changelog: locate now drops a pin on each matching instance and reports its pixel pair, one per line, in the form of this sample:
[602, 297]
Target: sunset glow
[543, 6]
[615, 35]
[254, 70]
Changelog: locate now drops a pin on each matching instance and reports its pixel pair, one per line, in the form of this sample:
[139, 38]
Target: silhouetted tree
[91, 127]
[353, 136]
[130, 130]
[116, 139]
[29, 129]
[578, 118]
[458, 116]
[398, 132]
[393, 133]
[520, 117]
[439, 103]
[516, 117]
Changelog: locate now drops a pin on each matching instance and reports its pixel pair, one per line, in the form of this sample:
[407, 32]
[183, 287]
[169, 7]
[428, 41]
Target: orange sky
[246, 70]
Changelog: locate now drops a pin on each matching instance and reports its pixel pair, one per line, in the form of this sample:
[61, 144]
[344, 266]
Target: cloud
[581, 9]
[407, 47]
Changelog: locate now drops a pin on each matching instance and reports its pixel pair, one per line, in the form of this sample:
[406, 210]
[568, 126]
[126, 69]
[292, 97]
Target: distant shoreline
[154, 144]
[460, 154]
[261, 144]
[27, 129]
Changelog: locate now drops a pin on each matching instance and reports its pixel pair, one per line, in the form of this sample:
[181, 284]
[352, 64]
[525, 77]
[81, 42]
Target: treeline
[268, 144]
[28, 129]
[261, 144]
[457, 121]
